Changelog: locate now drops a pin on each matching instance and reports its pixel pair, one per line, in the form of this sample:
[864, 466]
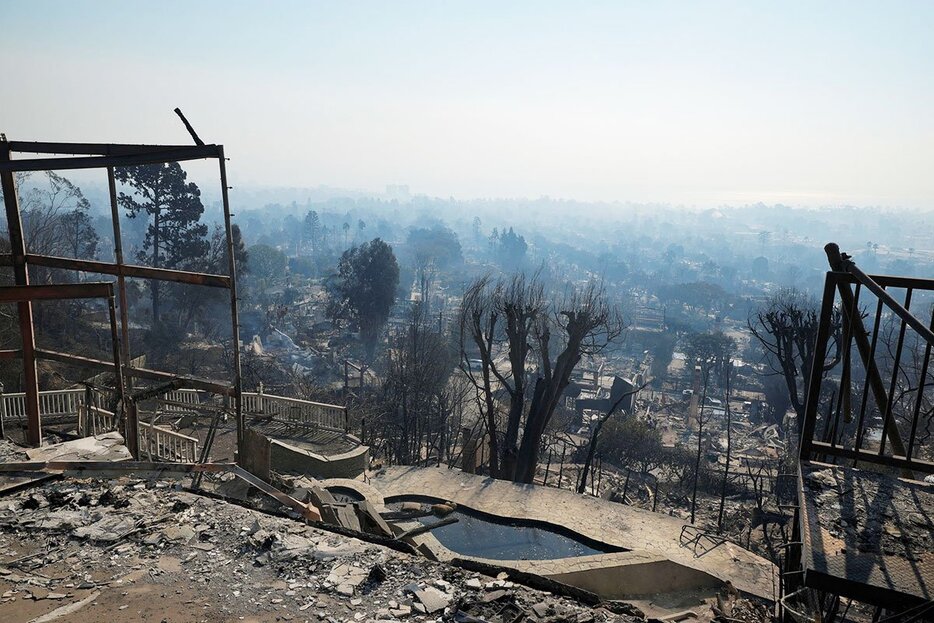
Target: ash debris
[68, 541]
[873, 513]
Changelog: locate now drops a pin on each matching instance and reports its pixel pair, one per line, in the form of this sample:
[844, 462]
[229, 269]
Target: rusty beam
[899, 461]
[121, 279]
[191, 130]
[131, 434]
[234, 313]
[16, 353]
[78, 360]
[130, 270]
[89, 149]
[24, 308]
[19, 294]
[139, 373]
[188, 382]
[130, 411]
[180, 154]
[307, 511]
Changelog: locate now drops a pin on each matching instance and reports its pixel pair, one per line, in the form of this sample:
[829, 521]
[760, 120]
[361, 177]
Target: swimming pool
[482, 535]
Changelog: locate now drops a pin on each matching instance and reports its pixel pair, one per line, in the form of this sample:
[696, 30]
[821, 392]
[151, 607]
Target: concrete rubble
[206, 559]
[105, 447]
[141, 548]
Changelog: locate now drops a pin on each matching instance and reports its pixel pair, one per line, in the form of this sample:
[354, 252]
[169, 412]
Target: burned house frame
[72, 156]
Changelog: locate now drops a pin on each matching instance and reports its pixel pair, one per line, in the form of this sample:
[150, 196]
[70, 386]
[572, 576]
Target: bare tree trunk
[700, 437]
[592, 446]
[564, 448]
[729, 445]
[547, 467]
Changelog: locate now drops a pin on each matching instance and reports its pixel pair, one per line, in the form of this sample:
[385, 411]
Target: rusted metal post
[121, 278]
[122, 345]
[234, 315]
[131, 429]
[84, 425]
[24, 308]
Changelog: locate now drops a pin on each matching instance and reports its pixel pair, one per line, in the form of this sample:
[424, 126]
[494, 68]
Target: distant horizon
[728, 199]
[86, 179]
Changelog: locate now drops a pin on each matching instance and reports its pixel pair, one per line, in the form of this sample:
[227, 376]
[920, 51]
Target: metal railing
[180, 400]
[870, 393]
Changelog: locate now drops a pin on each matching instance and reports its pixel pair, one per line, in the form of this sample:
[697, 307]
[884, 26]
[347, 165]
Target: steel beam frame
[27, 294]
[107, 156]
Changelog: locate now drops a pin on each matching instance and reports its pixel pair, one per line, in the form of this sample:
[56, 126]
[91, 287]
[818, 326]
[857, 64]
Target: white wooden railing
[322, 415]
[174, 400]
[163, 444]
[70, 402]
[62, 402]
[95, 421]
[155, 442]
[329, 417]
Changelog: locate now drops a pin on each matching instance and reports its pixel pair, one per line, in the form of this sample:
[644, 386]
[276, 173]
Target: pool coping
[627, 568]
[638, 530]
[370, 494]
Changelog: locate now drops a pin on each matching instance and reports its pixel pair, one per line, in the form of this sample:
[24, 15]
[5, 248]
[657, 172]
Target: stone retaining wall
[285, 458]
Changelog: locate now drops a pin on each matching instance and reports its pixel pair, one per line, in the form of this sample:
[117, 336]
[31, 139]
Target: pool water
[498, 538]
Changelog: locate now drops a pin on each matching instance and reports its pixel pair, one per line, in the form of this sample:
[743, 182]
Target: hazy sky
[684, 102]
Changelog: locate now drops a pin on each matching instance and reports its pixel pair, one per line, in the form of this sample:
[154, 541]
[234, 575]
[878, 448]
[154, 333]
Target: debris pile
[150, 551]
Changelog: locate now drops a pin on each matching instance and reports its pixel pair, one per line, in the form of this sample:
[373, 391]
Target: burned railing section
[870, 395]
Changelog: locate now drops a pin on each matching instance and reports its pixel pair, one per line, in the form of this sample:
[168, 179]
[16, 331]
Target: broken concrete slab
[320, 496]
[107, 529]
[433, 599]
[179, 533]
[347, 575]
[106, 447]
